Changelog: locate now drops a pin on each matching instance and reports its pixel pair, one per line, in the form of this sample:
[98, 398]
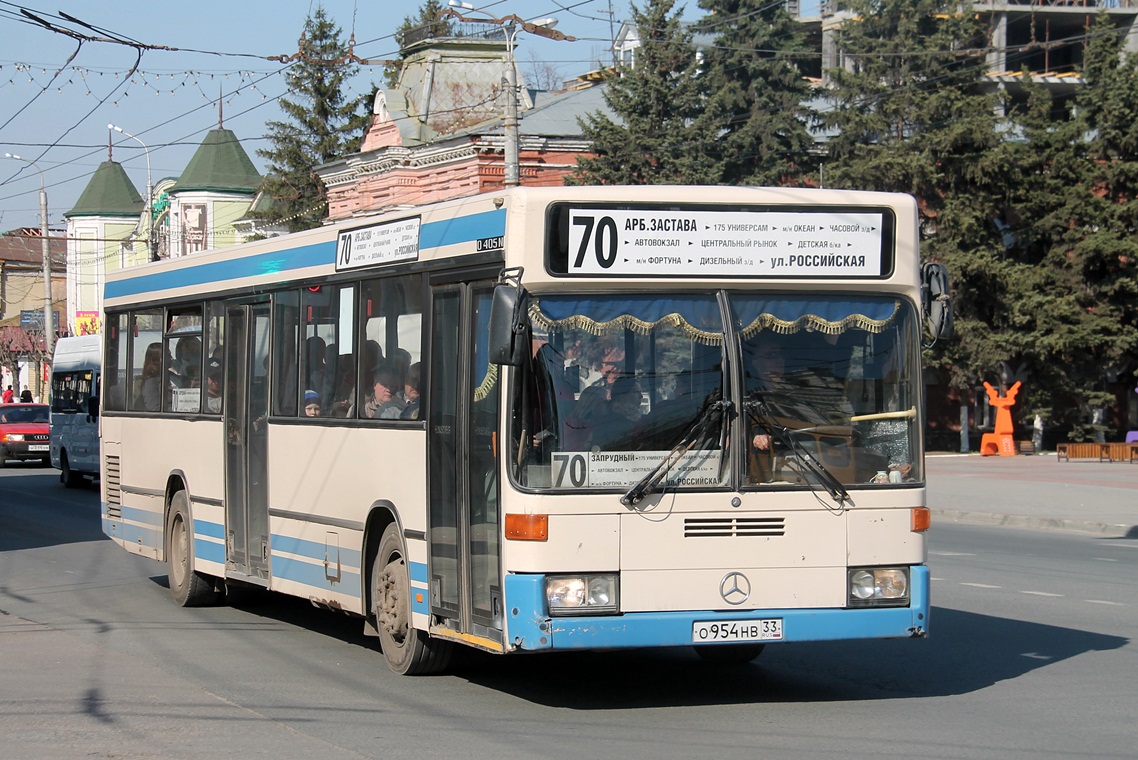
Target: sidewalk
[1035, 491]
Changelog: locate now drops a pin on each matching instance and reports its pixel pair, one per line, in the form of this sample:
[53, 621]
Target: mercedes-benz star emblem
[735, 588]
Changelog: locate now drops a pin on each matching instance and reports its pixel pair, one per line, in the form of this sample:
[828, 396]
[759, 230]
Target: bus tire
[407, 651]
[67, 476]
[729, 654]
[188, 587]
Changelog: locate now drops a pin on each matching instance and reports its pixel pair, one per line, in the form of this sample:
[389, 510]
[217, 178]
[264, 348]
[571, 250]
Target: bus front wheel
[189, 588]
[68, 476]
[406, 650]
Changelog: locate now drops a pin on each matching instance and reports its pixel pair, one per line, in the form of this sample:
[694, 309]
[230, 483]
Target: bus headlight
[593, 594]
[878, 586]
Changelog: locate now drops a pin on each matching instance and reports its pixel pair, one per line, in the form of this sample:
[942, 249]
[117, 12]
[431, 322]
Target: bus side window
[391, 336]
[184, 355]
[286, 333]
[115, 362]
[146, 365]
[213, 370]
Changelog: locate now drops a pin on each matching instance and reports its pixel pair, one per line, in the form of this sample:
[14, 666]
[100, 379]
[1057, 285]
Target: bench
[1104, 452]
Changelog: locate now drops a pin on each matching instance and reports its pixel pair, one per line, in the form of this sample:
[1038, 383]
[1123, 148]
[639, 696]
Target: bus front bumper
[531, 629]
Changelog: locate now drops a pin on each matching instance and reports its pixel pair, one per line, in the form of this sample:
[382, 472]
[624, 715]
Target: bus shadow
[968, 652]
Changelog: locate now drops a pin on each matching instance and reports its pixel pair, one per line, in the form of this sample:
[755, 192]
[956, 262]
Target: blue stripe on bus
[145, 516]
[420, 601]
[274, 262]
[209, 529]
[445, 232]
[418, 572]
[141, 535]
[312, 549]
[463, 229]
[530, 624]
[209, 551]
[296, 571]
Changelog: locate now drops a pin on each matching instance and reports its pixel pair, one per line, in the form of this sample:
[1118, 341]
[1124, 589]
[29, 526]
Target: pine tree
[322, 124]
[1070, 276]
[756, 95]
[906, 116]
[904, 107]
[657, 102]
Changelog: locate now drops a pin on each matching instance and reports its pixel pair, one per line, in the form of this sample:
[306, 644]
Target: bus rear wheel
[729, 654]
[188, 587]
[406, 650]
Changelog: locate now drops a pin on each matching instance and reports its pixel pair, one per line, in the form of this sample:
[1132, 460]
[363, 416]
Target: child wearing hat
[311, 404]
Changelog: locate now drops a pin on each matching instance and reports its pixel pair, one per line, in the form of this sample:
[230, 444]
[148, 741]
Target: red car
[25, 432]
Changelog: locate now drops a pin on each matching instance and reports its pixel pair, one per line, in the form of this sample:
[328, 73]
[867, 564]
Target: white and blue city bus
[549, 419]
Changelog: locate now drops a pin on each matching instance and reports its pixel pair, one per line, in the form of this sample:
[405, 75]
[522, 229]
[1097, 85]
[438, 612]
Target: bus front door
[465, 569]
[246, 408]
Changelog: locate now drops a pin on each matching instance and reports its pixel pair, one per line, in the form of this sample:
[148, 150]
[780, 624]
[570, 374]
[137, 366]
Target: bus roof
[471, 229]
[78, 352]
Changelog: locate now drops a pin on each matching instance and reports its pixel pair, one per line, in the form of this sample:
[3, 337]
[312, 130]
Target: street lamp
[511, 24]
[48, 321]
[149, 196]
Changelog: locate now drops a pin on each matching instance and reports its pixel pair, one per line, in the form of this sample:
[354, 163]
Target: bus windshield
[620, 383]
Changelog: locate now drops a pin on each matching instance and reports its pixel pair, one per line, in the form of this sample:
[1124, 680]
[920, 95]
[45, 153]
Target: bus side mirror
[937, 302]
[92, 408]
[509, 324]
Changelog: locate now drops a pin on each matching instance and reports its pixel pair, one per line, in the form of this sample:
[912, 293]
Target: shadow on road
[967, 652]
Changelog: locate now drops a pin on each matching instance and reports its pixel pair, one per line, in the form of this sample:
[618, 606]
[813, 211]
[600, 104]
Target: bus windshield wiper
[757, 409]
[714, 410]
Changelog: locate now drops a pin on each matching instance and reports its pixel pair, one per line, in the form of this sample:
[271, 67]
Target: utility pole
[48, 316]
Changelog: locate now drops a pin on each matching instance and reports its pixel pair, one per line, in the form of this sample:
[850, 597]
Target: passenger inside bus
[411, 394]
[315, 367]
[186, 365]
[311, 404]
[798, 407]
[385, 403]
[213, 386]
[341, 386]
[593, 404]
[617, 429]
[150, 388]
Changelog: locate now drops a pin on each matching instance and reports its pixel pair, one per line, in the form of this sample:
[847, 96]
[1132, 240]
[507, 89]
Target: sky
[59, 121]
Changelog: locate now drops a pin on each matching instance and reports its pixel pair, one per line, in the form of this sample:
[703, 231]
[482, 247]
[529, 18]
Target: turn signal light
[527, 527]
[920, 519]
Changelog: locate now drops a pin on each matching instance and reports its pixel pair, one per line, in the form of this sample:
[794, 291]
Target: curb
[1107, 530]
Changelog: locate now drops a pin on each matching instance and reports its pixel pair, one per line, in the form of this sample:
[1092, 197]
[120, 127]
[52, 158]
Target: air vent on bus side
[114, 488]
[733, 527]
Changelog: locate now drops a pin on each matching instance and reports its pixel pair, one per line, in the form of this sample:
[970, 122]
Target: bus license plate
[703, 631]
[39, 447]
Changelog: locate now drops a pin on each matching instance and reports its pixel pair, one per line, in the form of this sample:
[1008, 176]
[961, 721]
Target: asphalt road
[1031, 656]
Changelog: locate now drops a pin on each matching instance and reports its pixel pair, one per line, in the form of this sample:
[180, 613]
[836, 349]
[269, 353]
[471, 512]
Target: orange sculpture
[1000, 441]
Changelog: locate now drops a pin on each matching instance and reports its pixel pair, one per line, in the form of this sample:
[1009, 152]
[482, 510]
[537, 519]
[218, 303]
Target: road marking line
[1101, 601]
[1041, 593]
[1106, 559]
[952, 554]
[980, 585]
